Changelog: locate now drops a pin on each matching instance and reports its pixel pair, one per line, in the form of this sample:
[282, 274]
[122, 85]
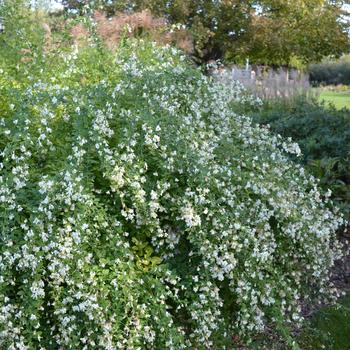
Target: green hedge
[330, 73]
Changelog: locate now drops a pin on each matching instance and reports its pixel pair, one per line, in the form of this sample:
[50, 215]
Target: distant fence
[266, 82]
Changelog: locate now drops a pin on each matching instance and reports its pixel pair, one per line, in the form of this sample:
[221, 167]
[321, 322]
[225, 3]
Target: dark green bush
[330, 73]
[321, 131]
[323, 134]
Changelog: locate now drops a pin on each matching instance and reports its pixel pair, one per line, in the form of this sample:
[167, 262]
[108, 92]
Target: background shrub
[323, 134]
[330, 73]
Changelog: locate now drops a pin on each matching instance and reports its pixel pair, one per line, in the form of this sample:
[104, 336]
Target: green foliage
[23, 37]
[330, 73]
[298, 32]
[267, 31]
[329, 328]
[323, 134]
[320, 131]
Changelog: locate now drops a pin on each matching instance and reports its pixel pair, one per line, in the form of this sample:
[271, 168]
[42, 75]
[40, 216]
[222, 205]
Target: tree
[306, 30]
[213, 24]
[266, 31]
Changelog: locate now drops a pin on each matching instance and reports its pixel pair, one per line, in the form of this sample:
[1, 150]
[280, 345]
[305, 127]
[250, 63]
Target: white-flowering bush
[138, 211]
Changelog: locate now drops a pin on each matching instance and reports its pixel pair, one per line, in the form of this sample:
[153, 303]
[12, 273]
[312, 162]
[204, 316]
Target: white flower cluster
[139, 212]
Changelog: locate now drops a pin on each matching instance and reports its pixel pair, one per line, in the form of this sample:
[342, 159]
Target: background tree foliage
[266, 31]
[304, 30]
[24, 35]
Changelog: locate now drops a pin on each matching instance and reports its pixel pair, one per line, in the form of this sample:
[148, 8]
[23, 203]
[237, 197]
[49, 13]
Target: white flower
[190, 217]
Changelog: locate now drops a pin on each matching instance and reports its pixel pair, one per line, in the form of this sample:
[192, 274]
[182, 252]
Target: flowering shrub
[139, 212]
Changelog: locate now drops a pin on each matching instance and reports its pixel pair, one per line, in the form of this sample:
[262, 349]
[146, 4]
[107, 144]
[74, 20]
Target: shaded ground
[326, 327]
[329, 327]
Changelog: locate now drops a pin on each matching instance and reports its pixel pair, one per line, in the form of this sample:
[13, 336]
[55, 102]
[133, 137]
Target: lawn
[339, 99]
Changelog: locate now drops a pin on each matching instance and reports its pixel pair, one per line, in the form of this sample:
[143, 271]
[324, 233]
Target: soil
[341, 271]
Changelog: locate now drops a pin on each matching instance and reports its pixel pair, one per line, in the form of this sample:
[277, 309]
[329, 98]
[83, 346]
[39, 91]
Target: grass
[339, 99]
[329, 328]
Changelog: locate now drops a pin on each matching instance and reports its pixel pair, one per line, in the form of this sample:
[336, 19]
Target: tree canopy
[265, 31]
[303, 30]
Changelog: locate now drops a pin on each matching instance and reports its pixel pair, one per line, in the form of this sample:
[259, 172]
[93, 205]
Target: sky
[53, 5]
